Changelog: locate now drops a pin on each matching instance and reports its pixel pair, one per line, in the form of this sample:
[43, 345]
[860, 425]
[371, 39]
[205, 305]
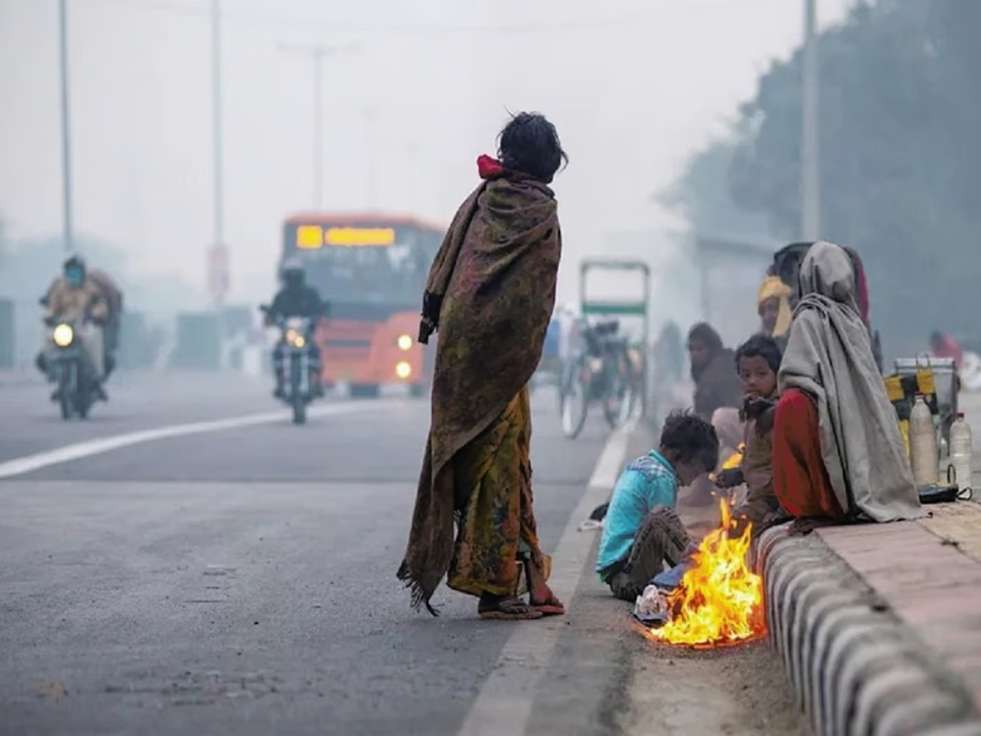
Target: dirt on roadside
[737, 691]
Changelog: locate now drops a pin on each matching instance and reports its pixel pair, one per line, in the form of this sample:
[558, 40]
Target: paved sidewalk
[929, 574]
[879, 625]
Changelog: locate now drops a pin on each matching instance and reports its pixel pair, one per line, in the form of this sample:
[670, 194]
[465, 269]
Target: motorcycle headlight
[295, 338]
[403, 370]
[405, 342]
[63, 335]
[595, 365]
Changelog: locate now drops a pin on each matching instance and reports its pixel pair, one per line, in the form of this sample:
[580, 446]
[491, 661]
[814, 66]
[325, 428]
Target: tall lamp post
[810, 184]
[317, 53]
[370, 116]
[68, 234]
[218, 280]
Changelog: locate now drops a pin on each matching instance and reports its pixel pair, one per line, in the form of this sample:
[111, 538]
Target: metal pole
[318, 126]
[66, 150]
[810, 186]
[219, 223]
[317, 52]
[370, 117]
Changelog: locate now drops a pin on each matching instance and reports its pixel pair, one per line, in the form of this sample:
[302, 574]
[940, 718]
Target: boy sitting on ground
[642, 531]
[757, 360]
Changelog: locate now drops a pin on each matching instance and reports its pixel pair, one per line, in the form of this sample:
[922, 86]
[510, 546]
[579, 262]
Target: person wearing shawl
[716, 382]
[786, 264]
[773, 306]
[718, 390]
[718, 396]
[490, 295]
[837, 451]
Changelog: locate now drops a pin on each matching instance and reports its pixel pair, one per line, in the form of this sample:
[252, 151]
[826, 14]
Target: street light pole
[219, 223]
[66, 150]
[217, 259]
[317, 53]
[370, 115]
[810, 185]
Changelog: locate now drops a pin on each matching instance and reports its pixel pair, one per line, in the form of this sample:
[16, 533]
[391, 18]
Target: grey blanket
[829, 357]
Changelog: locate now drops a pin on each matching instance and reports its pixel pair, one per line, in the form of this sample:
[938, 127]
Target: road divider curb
[854, 666]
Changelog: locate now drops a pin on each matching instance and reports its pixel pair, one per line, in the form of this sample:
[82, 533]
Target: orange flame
[718, 600]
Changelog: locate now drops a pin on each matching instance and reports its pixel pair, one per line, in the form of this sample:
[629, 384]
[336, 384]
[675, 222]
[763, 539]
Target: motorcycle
[69, 366]
[604, 370]
[299, 387]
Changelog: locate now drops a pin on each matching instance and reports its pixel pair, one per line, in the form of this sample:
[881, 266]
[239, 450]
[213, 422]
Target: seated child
[757, 360]
[642, 530]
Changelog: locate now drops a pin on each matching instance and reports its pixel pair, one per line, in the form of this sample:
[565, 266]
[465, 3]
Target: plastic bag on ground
[651, 608]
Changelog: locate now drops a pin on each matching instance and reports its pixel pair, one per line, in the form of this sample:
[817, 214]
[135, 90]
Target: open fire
[719, 599]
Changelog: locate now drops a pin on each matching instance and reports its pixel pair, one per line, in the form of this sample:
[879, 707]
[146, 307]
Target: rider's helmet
[74, 271]
[293, 273]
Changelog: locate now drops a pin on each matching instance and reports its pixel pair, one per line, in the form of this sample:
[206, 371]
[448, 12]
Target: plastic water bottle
[961, 450]
[924, 455]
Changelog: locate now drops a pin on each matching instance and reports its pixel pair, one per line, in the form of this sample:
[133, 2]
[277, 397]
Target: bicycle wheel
[618, 403]
[575, 402]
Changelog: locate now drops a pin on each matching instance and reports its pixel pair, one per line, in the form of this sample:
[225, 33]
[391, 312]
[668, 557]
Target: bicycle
[602, 370]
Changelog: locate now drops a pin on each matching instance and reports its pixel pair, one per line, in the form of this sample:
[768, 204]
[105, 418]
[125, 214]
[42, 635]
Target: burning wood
[719, 599]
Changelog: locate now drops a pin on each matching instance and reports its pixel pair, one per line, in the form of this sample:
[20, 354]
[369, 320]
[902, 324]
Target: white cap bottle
[924, 455]
[961, 450]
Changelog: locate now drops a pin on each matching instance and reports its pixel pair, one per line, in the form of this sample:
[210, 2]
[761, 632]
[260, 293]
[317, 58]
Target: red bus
[371, 269]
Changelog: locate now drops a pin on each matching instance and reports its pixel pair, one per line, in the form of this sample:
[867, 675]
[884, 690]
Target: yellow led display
[360, 236]
[309, 237]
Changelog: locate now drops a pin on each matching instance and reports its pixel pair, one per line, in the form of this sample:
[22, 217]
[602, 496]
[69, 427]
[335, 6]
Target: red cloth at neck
[489, 167]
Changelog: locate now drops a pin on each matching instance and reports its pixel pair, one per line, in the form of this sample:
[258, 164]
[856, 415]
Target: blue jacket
[647, 482]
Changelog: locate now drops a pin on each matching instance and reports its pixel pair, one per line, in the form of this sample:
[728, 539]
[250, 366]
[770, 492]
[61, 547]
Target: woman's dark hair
[530, 144]
[761, 346]
[690, 439]
[704, 332]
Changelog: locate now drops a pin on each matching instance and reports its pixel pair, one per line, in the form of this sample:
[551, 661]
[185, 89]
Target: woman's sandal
[551, 606]
[508, 609]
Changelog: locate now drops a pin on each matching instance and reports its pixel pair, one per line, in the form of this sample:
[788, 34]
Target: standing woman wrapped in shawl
[837, 451]
[490, 295]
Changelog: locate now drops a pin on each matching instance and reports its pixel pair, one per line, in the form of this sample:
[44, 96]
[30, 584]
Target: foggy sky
[634, 88]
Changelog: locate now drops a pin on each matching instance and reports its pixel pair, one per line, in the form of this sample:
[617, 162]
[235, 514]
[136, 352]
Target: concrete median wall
[855, 667]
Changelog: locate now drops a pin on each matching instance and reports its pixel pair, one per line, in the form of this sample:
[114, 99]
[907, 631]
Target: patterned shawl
[490, 294]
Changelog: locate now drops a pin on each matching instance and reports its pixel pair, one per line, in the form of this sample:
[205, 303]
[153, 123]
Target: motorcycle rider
[114, 301]
[296, 299]
[76, 298]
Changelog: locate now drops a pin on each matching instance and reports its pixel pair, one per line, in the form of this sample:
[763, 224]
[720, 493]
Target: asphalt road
[242, 581]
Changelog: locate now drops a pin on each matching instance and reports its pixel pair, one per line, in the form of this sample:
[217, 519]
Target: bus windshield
[363, 265]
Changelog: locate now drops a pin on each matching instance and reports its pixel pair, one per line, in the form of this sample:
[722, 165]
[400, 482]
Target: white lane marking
[30, 463]
[504, 703]
[611, 460]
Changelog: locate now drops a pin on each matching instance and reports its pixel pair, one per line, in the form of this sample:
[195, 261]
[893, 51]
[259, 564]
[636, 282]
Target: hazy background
[635, 88]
